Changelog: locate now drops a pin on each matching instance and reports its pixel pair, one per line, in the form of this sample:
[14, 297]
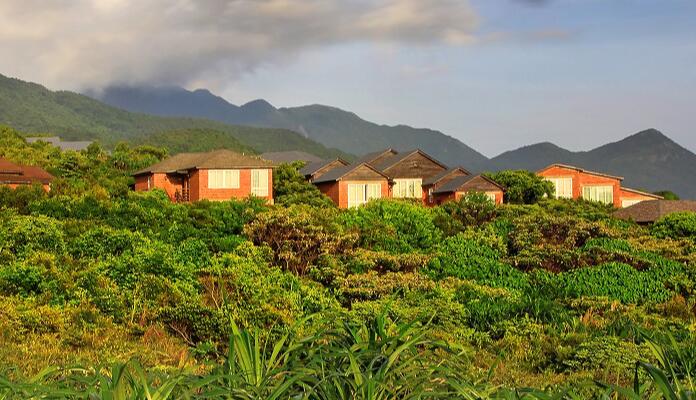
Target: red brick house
[577, 183]
[460, 186]
[353, 185]
[216, 175]
[435, 182]
[14, 175]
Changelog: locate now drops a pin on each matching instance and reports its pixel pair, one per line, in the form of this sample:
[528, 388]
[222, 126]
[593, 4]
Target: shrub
[393, 226]
[474, 209]
[299, 235]
[290, 187]
[676, 225]
[470, 258]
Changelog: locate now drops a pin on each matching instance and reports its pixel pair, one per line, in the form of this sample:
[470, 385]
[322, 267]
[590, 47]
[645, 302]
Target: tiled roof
[22, 174]
[582, 170]
[652, 210]
[313, 167]
[337, 173]
[456, 183]
[392, 161]
[218, 159]
[370, 157]
[436, 178]
[290, 156]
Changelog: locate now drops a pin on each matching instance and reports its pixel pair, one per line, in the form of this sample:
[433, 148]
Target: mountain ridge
[329, 125]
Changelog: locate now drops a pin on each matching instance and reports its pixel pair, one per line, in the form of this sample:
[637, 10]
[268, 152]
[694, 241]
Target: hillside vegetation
[32, 108]
[115, 294]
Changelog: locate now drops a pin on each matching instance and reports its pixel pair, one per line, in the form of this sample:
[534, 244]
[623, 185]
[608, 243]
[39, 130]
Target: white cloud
[90, 43]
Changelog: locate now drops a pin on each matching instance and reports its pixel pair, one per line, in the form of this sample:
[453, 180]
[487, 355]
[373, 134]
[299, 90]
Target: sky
[496, 74]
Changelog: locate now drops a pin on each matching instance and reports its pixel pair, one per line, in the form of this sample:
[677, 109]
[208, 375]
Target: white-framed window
[491, 196]
[149, 182]
[407, 188]
[629, 202]
[259, 182]
[564, 187]
[602, 194]
[361, 193]
[223, 179]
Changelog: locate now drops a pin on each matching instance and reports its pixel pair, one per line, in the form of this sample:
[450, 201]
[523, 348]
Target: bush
[393, 226]
[676, 225]
[289, 187]
[473, 258]
[474, 209]
[299, 235]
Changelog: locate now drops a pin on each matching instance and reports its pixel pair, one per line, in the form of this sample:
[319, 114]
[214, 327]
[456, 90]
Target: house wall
[337, 191]
[581, 179]
[415, 166]
[200, 190]
[633, 198]
[330, 189]
[343, 189]
[168, 183]
[45, 186]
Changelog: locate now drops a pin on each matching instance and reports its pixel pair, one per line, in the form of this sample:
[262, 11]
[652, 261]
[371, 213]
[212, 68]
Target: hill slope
[648, 160]
[330, 126]
[33, 108]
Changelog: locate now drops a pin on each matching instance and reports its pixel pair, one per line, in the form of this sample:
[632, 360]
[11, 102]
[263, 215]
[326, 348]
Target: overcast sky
[496, 74]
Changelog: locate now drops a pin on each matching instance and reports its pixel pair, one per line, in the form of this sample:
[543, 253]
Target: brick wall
[200, 190]
[581, 179]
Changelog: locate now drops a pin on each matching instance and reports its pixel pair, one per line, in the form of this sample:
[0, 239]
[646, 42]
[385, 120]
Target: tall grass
[376, 361]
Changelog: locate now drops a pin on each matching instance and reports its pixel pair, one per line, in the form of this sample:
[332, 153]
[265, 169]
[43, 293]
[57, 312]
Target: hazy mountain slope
[330, 126]
[32, 108]
[648, 160]
[533, 157]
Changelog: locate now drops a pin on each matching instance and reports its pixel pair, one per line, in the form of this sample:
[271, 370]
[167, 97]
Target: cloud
[91, 43]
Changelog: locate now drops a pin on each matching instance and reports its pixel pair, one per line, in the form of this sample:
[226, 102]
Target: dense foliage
[523, 187]
[327, 303]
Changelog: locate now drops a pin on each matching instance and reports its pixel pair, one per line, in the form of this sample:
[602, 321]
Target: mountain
[31, 107]
[329, 126]
[648, 160]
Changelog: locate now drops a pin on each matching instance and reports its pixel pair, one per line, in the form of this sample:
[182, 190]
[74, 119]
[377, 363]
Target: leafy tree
[474, 209]
[290, 187]
[668, 195]
[523, 187]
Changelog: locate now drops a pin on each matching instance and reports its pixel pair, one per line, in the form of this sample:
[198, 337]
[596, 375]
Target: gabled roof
[652, 210]
[338, 173]
[218, 159]
[22, 174]
[437, 178]
[392, 161]
[582, 170]
[370, 157]
[290, 156]
[640, 192]
[313, 167]
[455, 184]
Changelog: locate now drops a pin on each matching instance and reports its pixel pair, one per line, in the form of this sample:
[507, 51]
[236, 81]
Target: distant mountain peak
[259, 105]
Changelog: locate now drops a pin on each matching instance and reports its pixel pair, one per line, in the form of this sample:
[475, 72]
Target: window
[407, 188]
[223, 179]
[361, 193]
[491, 196]
[602, 194]
[564, 187]
[259, 182]
[629, 202]
[149, 182]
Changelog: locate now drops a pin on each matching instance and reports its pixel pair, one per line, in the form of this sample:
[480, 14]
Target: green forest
[110, 294]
